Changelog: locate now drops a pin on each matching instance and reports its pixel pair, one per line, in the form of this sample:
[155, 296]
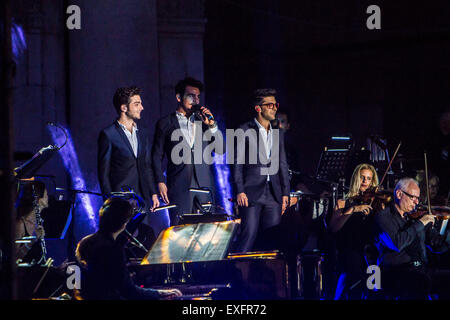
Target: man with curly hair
[124, 150]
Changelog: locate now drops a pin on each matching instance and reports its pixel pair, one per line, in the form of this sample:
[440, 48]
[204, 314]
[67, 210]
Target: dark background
[334, 75]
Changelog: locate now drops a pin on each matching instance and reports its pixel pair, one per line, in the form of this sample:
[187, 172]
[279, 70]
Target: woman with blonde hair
[364, 177]
[351, 225]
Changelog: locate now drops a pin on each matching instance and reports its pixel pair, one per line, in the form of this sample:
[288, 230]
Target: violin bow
[426, 181]
[444, 222]
[387, 170]
[389, 165]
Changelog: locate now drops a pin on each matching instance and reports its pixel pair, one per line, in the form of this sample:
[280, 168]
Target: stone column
[39, 91]
[181, 27]
[115, 47]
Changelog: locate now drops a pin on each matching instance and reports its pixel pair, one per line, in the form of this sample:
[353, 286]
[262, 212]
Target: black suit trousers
[258, 217]
[187, 202]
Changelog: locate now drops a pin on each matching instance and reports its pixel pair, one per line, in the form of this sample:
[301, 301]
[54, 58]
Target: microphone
[196, 108]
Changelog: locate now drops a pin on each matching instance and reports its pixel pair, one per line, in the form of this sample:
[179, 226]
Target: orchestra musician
[103, 262]
[436, 198]
[351, 226]
[26, 222]
[402, 242]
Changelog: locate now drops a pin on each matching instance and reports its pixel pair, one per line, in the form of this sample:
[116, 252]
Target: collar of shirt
[134, 127]
[187, 127]
[267, 135]
[131, 136]
[181, 116]
[261, 127]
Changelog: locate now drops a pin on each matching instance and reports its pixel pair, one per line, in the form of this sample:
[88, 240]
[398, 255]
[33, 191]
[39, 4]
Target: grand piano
[196, 259]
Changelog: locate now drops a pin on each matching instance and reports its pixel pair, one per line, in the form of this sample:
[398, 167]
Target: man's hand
[155, 202]
[242, 199]
[284, 204]
[426, 219]
[163, 192]
[293, 201]
[206, 112]
[169, 294]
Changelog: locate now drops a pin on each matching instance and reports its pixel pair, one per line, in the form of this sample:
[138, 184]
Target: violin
[375, 197]
[439, 212]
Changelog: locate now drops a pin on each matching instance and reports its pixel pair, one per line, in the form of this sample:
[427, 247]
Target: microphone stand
[135, 241]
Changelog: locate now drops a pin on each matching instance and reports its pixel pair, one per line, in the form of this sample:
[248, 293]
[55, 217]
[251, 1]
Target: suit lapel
[124, 137]
[261, 145]
[174, 121]
[141, 142]
[174, 126]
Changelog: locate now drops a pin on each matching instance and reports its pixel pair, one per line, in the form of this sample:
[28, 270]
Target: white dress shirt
[267, 140]
[187, 126]
[132, 136]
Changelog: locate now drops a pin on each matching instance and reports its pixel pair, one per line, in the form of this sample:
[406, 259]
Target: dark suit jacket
[178, 175]
[248, 178]
[117, 165]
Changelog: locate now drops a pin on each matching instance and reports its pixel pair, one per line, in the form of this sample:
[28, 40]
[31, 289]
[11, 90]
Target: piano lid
[192, 243]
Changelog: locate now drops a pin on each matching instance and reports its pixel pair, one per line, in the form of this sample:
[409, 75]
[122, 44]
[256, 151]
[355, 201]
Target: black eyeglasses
[271, 105]
[410, 196]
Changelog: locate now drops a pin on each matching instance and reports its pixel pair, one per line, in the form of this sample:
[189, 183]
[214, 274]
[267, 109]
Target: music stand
[202, 207]
[332, 164]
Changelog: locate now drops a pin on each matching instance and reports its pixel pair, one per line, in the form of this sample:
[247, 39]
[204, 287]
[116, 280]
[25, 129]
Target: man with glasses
[262, 198]
[402, 243]
[187, 174]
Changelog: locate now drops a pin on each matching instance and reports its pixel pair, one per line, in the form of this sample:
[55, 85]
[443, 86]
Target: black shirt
[352, 238]
[105, 275]
[401, 241]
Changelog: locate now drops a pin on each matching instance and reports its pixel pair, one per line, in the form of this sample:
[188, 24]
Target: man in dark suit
[124, 159]
[261, 184]
[183, 131]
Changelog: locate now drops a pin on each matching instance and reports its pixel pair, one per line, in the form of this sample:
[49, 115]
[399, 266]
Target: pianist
[105, 275]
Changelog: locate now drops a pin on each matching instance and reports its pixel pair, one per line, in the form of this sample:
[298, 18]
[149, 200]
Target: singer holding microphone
[187, 174]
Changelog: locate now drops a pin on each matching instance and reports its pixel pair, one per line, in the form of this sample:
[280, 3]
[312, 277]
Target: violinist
[401, 242]
[350, 224]
[436, 199]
